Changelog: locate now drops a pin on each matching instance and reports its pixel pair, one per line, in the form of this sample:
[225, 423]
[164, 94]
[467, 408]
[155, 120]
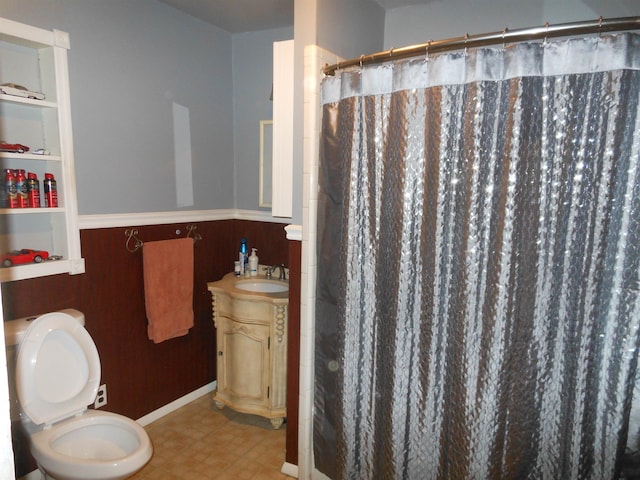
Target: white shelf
[37, 58]
[31, 156]
[48, 267]
[27, 101]
[30, 211]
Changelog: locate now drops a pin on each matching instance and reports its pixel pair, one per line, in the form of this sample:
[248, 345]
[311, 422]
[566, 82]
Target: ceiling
[237, 16]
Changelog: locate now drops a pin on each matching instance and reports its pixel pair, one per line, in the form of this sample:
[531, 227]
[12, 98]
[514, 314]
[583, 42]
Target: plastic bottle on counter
[253, 263]
[22, 197]
[243, 256]
[10, 189]
[33, 190]
[50, 191]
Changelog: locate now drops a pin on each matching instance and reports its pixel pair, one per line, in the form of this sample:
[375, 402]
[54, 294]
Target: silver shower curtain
[478, 306]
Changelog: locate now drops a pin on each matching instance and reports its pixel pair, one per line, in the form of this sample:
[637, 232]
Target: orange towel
[168, 287]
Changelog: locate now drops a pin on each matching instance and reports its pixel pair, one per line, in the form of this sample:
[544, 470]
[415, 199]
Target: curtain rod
[484, 39]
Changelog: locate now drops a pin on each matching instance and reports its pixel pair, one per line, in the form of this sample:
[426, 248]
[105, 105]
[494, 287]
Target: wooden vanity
[251, 341]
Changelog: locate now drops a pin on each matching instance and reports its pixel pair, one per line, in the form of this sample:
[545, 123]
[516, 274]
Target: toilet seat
[57, 369]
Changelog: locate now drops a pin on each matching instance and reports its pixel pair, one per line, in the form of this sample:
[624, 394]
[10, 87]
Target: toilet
[56, 376]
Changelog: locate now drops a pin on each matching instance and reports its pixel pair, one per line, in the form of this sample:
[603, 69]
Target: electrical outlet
[101, 397]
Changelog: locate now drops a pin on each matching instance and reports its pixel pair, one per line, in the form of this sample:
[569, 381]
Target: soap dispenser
[253, 263]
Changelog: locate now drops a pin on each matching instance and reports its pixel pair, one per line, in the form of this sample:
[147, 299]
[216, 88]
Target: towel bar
[134, 244]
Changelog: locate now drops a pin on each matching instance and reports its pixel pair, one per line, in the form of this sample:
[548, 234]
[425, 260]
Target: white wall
[443, 19]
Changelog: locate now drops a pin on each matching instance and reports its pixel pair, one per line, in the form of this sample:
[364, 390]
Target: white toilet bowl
[57, 376]
[93, 446]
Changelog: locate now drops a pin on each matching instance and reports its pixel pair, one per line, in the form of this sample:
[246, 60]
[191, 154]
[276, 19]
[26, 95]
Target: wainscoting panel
[142, 376]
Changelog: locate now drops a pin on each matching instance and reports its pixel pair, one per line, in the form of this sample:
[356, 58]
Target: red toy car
[13, 147]
[26, 255]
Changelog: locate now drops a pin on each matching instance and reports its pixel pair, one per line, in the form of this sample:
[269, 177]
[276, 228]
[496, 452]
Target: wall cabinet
[37, 59]
[282, 156]
[251, 350]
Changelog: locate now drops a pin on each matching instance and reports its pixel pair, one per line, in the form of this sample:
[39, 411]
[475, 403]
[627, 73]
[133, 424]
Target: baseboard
[289, 469]
[176, 404]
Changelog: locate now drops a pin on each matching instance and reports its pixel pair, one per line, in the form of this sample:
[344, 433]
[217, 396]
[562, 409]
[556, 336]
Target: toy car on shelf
[20, 91]
[25, 255]
[13, 147]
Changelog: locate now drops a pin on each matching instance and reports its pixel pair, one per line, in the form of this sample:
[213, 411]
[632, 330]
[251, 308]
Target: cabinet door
[243, 362]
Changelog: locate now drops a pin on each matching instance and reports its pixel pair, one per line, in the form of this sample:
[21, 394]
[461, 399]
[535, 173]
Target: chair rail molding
[88, 222]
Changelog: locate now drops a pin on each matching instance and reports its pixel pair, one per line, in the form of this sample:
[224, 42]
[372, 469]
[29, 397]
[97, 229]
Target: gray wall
[129, 61]
[442, 19]
[350, 28]
[252, 82]
[345, 27]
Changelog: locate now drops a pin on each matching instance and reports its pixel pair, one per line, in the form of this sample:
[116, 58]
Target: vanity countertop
[229, 284]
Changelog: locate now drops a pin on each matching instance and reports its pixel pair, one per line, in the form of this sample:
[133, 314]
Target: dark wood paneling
[267, 238]
[293, 352]
[142, 376]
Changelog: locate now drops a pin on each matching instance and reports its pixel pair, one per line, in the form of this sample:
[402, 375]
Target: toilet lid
[57, 369]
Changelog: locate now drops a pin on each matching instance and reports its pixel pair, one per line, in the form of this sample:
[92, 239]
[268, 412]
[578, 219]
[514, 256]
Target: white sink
[263, 286]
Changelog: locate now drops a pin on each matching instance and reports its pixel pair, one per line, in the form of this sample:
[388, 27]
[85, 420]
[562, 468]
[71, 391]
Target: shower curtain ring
[600, 19]
[504, 32]
[466, 39]
[427, 49]
[546, 32]
[361, 60]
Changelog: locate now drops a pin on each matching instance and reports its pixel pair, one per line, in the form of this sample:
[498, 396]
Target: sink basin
[263, 286]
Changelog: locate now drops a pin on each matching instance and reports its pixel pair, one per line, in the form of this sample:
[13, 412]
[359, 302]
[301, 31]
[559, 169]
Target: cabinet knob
[219, 353]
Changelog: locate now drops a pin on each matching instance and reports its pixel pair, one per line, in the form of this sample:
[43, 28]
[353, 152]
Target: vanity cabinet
[251, 350]
[37, 59]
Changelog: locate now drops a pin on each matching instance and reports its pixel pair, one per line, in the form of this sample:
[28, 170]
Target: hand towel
[168, 287]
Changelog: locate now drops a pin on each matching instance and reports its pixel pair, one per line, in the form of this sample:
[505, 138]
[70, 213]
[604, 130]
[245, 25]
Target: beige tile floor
[199, 441]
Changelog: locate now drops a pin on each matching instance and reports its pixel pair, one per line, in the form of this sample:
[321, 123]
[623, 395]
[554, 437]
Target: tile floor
[199, 441]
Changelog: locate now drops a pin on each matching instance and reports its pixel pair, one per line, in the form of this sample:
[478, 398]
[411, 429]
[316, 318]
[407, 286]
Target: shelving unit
[37, 59]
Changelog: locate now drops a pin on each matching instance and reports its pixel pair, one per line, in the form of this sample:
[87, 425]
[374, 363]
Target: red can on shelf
[33, 190]
[10, 190]
[21, 189]
[50, 191]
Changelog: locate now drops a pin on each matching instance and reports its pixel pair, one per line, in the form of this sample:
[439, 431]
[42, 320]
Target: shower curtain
[477, 295]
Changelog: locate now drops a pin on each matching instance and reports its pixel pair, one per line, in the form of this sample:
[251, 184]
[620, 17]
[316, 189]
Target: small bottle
[236, 268]
[50, 191]
[253, 263]
[22, 196]
[10, 190]
[243, 256]
[33, 190]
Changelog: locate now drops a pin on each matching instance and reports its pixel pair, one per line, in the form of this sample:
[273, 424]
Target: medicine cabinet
[282, 158]
[37, 59]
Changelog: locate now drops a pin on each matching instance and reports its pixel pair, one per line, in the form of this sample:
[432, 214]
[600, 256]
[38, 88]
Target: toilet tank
[13, 333]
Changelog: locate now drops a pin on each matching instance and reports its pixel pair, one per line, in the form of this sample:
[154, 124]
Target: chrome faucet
[281, 276]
